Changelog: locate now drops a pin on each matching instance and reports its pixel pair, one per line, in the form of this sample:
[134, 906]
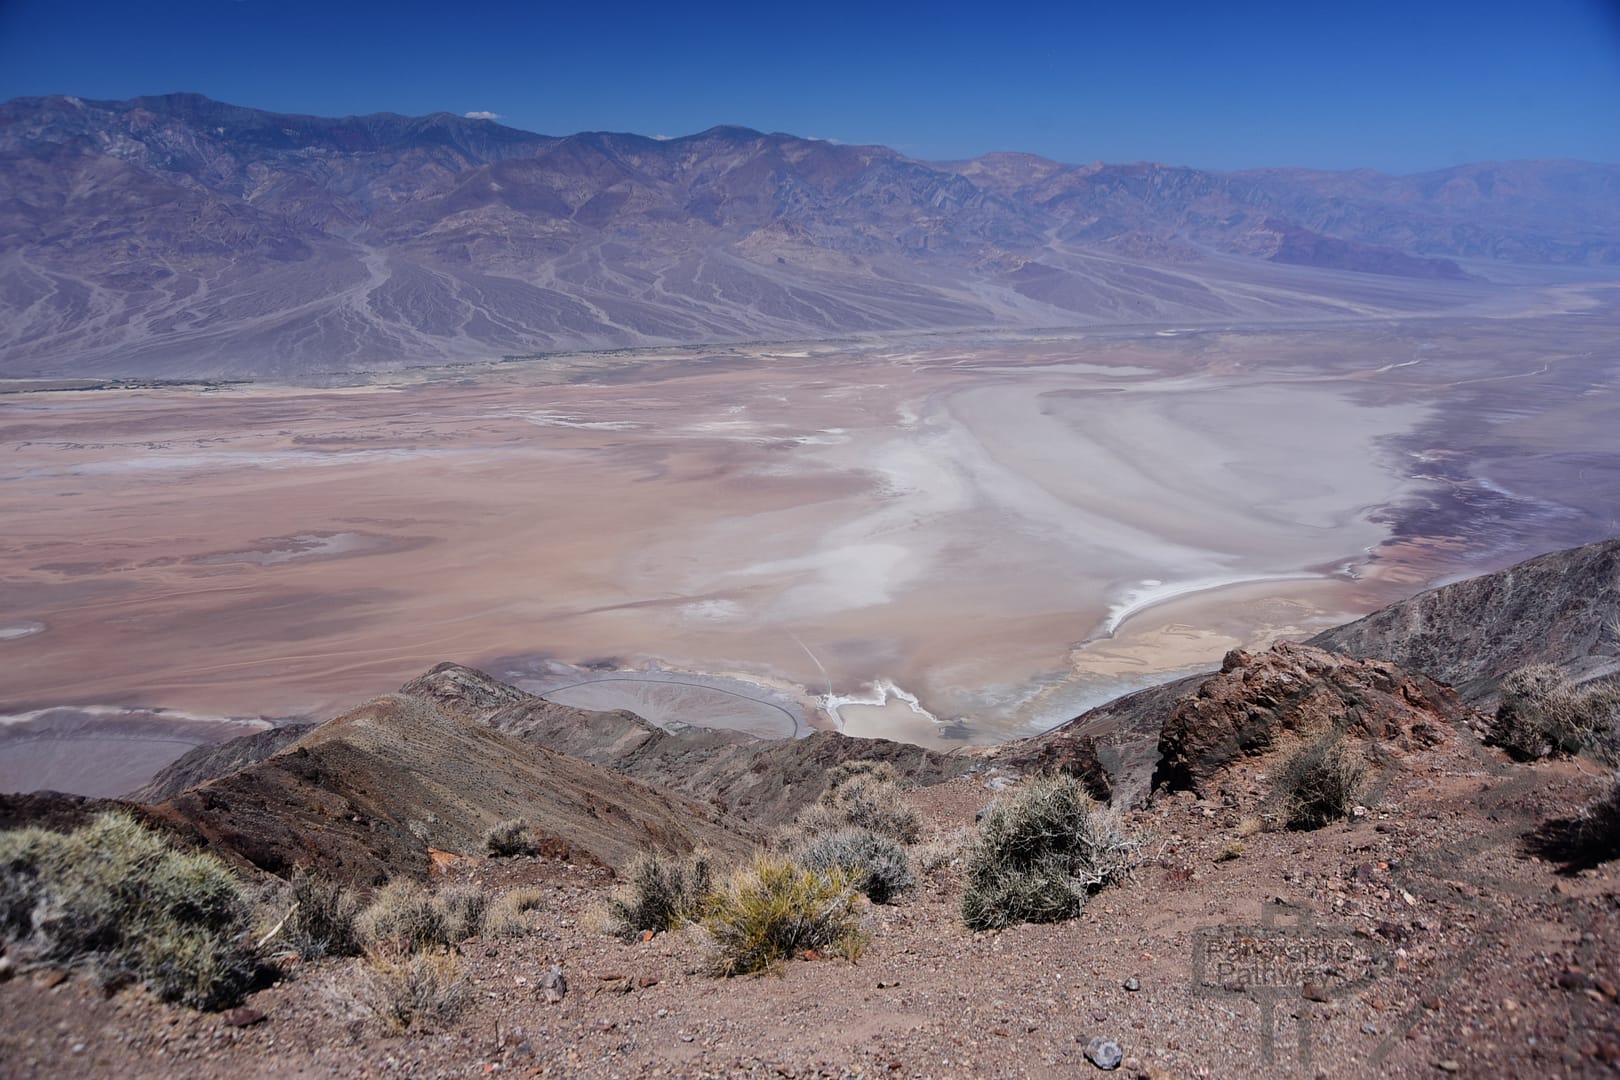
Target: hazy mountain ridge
[176, 235]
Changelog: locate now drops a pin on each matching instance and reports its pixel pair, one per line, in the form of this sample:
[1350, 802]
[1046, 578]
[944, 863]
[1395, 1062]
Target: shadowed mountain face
[178, 236]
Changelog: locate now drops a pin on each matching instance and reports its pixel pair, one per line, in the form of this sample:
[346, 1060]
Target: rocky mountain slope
[1561, 608]
[370, 794]
[178, 236]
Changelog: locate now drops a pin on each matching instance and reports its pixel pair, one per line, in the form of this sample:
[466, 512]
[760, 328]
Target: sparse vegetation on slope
[1039, 854]
[114, 895]
[511, 838]
[418, 990]
[404, 916]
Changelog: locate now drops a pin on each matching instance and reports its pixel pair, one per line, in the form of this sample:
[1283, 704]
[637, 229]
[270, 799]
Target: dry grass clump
[941, 851]
[862, 795]
[1040, 853]
[463, 907]
[1317, 784]
[876, 865]
[324, 917]
[115, 895]
[414, 990]
[403, 916]
[775, 908]
[660, 892]
[1542, 715]
[507, 917]
[510, 838]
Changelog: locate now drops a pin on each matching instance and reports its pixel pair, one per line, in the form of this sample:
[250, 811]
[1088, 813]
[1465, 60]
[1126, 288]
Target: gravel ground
[1435, 943]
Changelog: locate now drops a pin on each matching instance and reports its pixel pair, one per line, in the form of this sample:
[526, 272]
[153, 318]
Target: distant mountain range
[179, 236]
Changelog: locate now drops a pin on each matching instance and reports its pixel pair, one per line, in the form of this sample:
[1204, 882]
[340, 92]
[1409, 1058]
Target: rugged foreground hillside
[182, 237]
[1458, 912]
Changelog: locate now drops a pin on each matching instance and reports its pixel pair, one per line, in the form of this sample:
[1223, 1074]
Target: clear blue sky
[1398, 86]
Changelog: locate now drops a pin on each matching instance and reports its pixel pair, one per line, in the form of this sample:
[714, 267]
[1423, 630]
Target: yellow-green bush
[775, 908]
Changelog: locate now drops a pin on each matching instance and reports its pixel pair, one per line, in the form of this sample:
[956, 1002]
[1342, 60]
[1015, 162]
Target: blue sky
[1400, 87]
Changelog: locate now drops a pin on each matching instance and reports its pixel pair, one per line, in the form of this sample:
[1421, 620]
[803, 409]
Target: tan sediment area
[966, 522]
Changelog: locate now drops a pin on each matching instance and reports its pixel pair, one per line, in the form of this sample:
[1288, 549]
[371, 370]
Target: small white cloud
[663, 138]
[482, 114]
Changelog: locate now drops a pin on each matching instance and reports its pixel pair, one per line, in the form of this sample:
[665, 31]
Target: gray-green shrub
[463, 907]
[509, 838]
[324, 917]
[876, 864]
[660, 892]
[115, 895]
[862, 795]
[1040, 853]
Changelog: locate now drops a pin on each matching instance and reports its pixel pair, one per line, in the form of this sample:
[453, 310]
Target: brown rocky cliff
[1256, 698]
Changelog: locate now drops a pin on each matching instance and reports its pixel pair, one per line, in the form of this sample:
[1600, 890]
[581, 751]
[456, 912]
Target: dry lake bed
[940, 538]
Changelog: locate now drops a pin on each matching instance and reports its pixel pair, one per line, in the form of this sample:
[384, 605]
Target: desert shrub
[660, 892]
[1541, 714]
[876, 865]
[115, 895]
[1040, 853]
[402, 915]
[463, 908]
[510, 838]
[418, 990]
[507, 917]
[323, 918]
[861, 795]
[1317, 784]
[774, 908]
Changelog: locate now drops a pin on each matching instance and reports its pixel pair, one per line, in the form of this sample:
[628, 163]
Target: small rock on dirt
[1104, 1053]
[1133, 984]
[242, 1016]
[553, 985]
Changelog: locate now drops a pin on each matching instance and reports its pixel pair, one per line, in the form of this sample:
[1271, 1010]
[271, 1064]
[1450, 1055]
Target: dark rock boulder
[1257, 698]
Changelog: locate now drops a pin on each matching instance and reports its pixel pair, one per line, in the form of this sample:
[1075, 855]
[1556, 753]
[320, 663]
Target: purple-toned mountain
[179, 236]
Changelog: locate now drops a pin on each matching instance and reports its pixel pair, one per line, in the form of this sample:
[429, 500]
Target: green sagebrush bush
[774, 908]
[1040, 853]
[876, 865]
[115, 895]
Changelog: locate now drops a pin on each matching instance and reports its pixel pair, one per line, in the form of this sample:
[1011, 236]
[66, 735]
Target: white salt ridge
[879, 695]
[13, 631]
[1150, 593]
